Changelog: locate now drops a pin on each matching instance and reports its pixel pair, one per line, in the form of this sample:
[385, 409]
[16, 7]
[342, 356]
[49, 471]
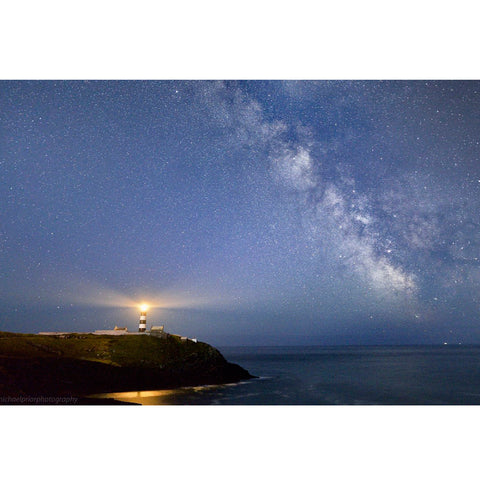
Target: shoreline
[161, 392]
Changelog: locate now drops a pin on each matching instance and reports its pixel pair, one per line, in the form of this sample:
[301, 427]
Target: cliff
[75, 365]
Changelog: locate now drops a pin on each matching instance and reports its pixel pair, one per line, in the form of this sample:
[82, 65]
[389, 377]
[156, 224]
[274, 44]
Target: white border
[254, 39]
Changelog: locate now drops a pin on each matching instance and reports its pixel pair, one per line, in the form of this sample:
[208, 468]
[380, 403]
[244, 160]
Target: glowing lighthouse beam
[142, 326]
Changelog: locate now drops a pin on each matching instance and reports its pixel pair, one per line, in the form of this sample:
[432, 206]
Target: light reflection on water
[178, 396]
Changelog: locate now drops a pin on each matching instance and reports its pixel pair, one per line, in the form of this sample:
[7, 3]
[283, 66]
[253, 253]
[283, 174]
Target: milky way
[246, 212]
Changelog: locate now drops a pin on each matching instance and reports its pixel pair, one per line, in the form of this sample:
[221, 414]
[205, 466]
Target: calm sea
[371, 375]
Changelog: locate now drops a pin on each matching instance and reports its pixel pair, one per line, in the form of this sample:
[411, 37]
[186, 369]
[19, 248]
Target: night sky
[252, 212]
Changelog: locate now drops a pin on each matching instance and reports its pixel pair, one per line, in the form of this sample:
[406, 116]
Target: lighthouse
[142, 325]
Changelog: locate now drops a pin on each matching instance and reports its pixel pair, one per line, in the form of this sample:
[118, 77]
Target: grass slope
[78, 364]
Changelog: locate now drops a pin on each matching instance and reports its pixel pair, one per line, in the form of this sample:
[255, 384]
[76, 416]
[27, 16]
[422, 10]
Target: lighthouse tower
[142, 325]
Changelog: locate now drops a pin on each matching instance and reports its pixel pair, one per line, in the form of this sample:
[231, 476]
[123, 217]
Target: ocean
[351, 375]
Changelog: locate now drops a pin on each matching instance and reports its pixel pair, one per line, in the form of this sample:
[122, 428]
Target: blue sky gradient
[249, 212]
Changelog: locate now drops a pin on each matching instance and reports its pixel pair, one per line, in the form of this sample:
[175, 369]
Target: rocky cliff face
[80, 364]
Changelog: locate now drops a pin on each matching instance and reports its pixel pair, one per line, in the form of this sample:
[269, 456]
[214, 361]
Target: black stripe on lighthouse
[142, 325]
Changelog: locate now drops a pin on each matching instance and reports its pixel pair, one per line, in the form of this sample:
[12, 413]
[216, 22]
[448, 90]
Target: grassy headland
[80, 364]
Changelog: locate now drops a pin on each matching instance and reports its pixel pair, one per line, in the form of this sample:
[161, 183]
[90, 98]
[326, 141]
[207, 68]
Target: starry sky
[243, 212]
